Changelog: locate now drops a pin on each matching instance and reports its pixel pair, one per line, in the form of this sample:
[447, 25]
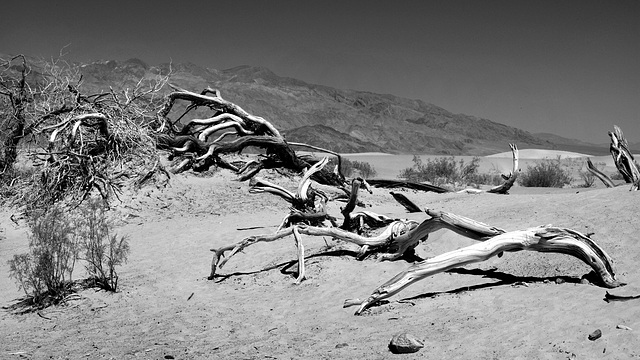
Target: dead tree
[78, 143]
[190, 142]
[622, 158]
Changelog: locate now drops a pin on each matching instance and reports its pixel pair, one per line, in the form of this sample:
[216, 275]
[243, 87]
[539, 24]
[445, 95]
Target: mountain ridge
[338, 119]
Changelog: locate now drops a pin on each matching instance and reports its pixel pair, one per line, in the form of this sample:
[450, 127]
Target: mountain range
[345, 121]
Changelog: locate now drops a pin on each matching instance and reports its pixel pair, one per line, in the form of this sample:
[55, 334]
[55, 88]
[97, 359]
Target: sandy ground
[507, 308]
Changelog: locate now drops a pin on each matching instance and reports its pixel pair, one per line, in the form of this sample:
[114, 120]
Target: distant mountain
[574, 145]
[340, 120]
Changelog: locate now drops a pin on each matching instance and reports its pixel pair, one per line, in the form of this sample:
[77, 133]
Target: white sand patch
[540, 154]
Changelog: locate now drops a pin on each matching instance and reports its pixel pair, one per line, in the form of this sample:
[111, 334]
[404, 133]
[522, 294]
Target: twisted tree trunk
[190, 143]
[623, 158]
[542, 239]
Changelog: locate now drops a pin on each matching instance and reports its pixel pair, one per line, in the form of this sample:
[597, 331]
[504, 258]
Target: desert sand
[524, 305]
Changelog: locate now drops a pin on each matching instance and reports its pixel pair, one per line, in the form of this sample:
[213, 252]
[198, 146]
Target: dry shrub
[547, 173]
[56, 242]
[348, 168]
[78, 143]
[44, 273]
[447, 171]
[103, 250]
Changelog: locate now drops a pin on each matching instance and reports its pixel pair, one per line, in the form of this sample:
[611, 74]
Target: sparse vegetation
[44, 273]
[588, 179]
[77, 143]
[349, 168]
[547, 173]
[56, 242]
[102, 250]
[446, 170]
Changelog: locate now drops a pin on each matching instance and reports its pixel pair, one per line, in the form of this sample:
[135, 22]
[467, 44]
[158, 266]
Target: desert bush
[44, 273]
[365, 169]
[446, 170]
[57, 241]
[588, 179]
[102, 249]
[547, 173]
[348, 167]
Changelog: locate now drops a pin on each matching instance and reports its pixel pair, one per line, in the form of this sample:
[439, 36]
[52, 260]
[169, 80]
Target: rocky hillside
[341, 120]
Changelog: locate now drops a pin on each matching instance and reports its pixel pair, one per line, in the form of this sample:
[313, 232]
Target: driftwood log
[541, 239]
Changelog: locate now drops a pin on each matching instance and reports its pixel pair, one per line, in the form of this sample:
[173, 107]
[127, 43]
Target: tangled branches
[76, 143]
[232, 130]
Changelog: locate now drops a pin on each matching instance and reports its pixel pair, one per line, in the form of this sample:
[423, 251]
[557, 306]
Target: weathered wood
[623, 159]
[191, 143]
[353, 199]
[511, 179]
[404, 201]
[542, 239]
[390, 244]
[394, 184]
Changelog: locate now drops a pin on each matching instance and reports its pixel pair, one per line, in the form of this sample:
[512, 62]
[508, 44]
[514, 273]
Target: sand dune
[505, 308]
[540, 154]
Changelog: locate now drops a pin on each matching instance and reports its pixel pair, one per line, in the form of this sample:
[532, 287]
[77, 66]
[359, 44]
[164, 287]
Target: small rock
[623, 327]
[595, 335]
[546, 281]
[404, 343]
[559, 281]
[584, 281]
[339, 346]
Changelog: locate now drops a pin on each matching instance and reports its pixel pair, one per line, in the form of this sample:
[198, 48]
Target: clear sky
[566, 67]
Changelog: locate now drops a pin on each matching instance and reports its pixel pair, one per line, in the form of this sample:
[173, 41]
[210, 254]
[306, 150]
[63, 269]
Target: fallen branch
[606, 180]
[394, 184]
[390, 244]
[542, 239]
[511, 179]
[404, 201]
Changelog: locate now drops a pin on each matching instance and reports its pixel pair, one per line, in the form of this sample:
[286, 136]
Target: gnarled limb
[353, 199]
[216, 103]
[251, 131]
[511, 179]
[391, 243]
[606, 180]
[296, 236]
[623, 158]
[260, 185]
[387, 236]
[542, 239]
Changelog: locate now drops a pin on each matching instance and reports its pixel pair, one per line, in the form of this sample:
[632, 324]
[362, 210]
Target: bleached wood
[542, 239]
[606, 180]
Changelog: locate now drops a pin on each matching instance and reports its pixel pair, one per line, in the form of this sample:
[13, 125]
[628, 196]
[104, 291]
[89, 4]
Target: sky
[568, 67]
